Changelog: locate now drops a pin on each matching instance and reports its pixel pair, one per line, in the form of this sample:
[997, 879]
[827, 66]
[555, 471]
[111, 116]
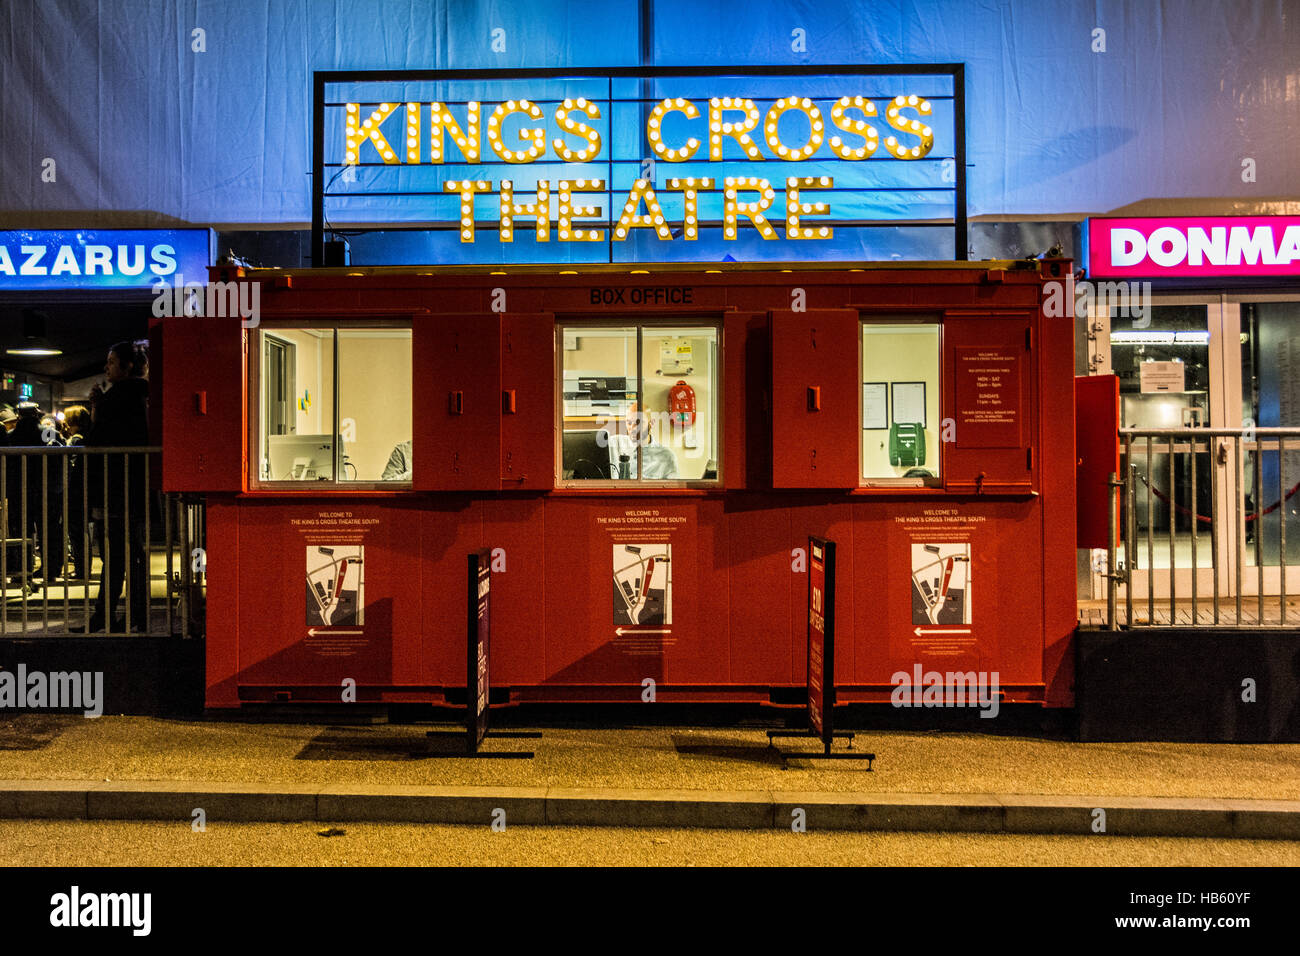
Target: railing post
[1172, 447]
[47, 553]
[1238, 523]
[1196, 525]
[1281, 529]
[1112, 572]
[187, 581]
[1151, 549]
[1215, 534]
[26, 555]
[168, 551]
[1258, 485]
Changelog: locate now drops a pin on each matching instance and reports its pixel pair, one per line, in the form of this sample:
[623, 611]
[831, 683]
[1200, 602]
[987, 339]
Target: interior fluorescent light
[1142, 338]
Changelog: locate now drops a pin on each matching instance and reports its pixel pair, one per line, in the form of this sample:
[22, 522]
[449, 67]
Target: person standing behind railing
[121, 419]
[44, 513]
[76, 425]
[10, 527]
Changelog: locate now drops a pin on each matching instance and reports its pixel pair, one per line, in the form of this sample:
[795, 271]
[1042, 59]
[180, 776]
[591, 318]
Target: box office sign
[641, 164]
[1193, 247]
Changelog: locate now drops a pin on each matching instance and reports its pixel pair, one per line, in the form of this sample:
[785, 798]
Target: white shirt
[657, 461]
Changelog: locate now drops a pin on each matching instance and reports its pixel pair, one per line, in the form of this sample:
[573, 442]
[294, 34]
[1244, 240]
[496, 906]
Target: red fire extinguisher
[681, 405]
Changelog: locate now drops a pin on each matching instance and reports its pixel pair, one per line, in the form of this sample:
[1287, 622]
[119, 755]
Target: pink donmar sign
[1193, 247]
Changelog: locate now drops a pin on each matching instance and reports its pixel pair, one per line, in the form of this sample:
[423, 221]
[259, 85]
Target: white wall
[901, 353]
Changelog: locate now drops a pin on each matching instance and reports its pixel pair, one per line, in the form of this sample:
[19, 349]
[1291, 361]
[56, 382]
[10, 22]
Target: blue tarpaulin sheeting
[142, 125]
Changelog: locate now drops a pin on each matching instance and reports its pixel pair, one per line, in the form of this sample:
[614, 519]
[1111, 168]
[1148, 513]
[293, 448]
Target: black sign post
[478, 672]
[477, 685]
[821, 637]
[821, 658]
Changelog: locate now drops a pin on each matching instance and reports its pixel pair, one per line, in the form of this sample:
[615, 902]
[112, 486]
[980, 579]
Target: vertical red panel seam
[794, 638]
[421, 673]
[853, 617]
[545, 617]
[725, 531]
[1047, 464]
[1040, 480]
[234, 604]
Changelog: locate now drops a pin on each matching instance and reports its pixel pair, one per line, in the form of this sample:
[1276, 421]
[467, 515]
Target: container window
[900, 403]
[639, 403]
[335, 406]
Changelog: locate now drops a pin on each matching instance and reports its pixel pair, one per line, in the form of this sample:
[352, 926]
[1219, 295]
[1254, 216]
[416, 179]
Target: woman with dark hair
[76, 426]
[121, 420]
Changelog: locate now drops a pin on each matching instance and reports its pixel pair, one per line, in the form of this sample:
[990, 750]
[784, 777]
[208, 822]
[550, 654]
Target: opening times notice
[988, 398]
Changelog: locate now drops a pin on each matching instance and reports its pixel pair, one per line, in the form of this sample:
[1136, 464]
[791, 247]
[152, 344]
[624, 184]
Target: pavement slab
[662, 758]
[140, 768]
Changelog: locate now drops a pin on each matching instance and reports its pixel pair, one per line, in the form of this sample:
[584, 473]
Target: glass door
[1169, 360]
[1269, 470]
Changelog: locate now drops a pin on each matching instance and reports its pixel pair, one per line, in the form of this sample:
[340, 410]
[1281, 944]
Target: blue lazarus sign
[101, 258]
[642, 165]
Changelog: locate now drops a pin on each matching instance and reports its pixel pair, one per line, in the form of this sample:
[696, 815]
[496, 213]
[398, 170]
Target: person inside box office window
[657, 461]
[399, 463]
[121, 420]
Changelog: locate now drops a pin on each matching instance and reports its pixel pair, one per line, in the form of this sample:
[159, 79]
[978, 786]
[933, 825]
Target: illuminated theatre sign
[843, 163]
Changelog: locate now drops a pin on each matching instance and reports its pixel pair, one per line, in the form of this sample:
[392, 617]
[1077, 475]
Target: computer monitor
[599, 387]
[301, 457]
[584, 456]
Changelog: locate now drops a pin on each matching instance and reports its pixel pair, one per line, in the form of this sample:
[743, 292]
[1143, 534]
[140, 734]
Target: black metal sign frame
[322, 78]
[479, 632]
[821, 638]
[478, 673]
[820, 631]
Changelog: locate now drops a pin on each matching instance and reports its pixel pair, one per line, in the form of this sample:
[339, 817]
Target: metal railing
[103, 537]
[1200, 537]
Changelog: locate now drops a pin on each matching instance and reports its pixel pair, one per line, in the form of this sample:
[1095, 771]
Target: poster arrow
[620, 631]
[315, 631]
[941, 630]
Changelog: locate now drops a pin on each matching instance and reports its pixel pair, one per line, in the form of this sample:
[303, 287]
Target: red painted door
[815, 417]
[1096, 427]
[204, 427]
[747, 400]
[527, 402]
[456, 445]
[987, 438]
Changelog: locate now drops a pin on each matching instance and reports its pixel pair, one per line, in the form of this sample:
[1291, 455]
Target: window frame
[640, 323]
[331, 486]
[897, 483]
